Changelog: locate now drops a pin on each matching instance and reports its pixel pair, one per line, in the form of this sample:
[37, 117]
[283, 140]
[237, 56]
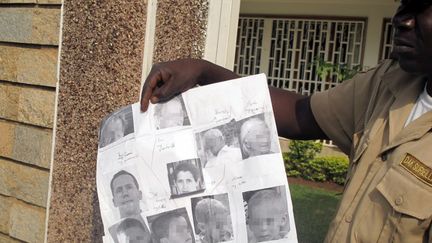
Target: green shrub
[299, 155]
[301, 161]
[334, 167]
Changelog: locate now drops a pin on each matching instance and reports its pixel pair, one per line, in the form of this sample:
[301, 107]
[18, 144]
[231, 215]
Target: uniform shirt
[388, 191]
[423, 105]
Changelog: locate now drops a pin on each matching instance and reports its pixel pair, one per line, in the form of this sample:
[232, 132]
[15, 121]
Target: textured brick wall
[100, 71]
[29, 32]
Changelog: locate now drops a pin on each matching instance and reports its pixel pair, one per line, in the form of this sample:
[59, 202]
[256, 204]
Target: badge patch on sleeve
[417, 168]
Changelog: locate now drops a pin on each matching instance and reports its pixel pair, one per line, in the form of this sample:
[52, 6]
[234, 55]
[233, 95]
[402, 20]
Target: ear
[285, 221]
[114, 202]
[201, 227]
[140, 195]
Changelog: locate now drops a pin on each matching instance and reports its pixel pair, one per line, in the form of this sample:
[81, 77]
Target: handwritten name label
[123, 157]
[221, 115]
[165, 146]
[237, 182]
[252, 107]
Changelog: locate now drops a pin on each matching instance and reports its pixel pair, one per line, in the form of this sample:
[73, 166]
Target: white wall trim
[222, 32]
[149, 40]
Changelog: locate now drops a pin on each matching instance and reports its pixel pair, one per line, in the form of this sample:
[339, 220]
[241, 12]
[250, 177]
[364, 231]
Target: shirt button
[348, 218]
[399, 200]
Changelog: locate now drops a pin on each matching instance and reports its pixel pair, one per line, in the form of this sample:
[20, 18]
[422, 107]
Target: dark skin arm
[293, 114]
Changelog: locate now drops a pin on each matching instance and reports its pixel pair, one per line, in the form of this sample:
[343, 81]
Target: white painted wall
[374, 10]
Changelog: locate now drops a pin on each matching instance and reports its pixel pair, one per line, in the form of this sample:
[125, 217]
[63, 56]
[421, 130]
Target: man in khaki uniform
[381, 119]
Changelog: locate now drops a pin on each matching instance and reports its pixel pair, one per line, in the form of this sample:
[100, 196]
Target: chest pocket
[410, 205]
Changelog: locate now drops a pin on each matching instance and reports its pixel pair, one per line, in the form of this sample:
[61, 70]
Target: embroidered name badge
[417, 168]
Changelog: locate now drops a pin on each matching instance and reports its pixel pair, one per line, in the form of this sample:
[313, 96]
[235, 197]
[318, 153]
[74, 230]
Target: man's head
[171, 228]
[113, 130]
[255, 137]
[132, 230]
[267, 215]
[213, 220]
[214, 141]
[126, 193]
[186, 178]
[413, 36]
[170, 113]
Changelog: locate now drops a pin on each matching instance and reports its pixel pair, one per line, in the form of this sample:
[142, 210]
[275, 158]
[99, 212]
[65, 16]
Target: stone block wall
[29, 39]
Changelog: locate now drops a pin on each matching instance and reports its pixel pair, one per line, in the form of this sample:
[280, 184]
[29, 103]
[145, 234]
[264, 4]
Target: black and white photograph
[171, 227]
[219, 145]
[171, 113]
[266, 212]
[116, 126]
[130, 229]
[212, 218]
[125, 193]
[185, 177]
[257, 136]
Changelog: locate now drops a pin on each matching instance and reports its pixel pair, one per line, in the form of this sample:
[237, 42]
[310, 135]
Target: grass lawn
[314, 208]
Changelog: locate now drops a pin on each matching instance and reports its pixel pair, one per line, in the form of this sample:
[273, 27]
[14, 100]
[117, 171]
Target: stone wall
[29, 36]
[100, 71]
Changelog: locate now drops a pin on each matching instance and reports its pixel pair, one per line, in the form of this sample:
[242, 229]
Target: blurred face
[185, 182]
[258, 140]
[218, 229]
[134, 234]
[265, 221]
[171, 114]
[179, 231]
[413, 36]
[213, 144]
[126, 195]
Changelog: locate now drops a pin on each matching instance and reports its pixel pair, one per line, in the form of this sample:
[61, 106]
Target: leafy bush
[335, 168]
[301, 161]
[299, 155]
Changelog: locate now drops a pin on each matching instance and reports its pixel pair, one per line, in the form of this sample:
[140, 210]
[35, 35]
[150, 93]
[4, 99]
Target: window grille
[386, 39]
[287, 48]
[249, 46]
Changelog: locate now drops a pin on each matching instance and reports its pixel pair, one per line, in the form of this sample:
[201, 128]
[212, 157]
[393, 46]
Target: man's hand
[169, 79]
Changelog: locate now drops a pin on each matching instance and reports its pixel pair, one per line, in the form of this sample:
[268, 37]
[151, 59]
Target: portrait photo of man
[212, 218]
[266, 214]
[126, 194]
[256, 137]
[171, 227]
[131, 230]
[116, 126]
[171, 114]
[185, 177]
[218, 149]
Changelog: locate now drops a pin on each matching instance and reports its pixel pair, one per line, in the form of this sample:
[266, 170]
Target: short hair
[118, 174]
[213, 133]
[160, 225]
[250, 125]
[267, 195]
[208, 208]
[129, 223]
[185, 166]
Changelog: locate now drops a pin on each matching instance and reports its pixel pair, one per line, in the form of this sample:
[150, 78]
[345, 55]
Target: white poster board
[203, 167]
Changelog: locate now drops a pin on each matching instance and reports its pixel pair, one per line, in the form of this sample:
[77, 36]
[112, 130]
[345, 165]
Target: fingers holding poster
[195, 170]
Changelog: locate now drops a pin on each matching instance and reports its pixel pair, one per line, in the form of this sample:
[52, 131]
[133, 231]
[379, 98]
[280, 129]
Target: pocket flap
[405, 195]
